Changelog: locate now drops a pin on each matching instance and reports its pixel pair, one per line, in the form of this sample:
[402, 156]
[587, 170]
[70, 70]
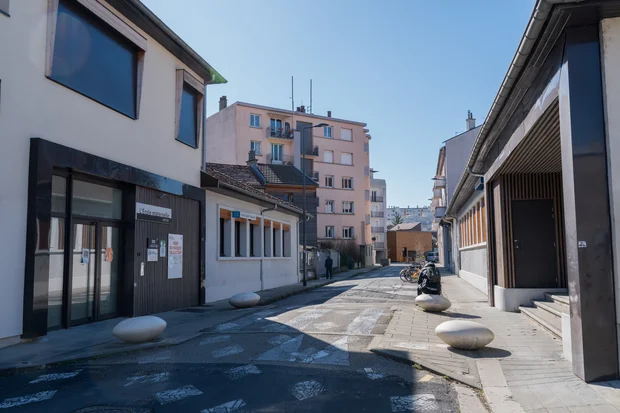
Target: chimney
[329, 113]
[251, 158]
[223, 102]
[471, 122]
[301, 109]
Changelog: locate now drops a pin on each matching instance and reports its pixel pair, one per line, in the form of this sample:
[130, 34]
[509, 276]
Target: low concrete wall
[510, 299]
[474, 266]
[477, 281]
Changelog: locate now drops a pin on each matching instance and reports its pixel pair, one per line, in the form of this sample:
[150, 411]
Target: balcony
[440, 211]
[379, 245]
[279, 134]
[440, 182]
[377, 214]
[376, 199]
[280, 160]
[377, 230]
[312, 151]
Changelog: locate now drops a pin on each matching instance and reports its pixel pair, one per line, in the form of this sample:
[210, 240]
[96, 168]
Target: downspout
[262, 255]
[204, 131]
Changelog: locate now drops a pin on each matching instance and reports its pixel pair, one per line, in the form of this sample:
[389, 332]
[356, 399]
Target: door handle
[517, 244]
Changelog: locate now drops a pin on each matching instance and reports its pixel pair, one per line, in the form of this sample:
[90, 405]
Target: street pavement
[309, 352]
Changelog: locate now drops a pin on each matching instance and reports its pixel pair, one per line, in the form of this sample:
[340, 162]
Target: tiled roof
[284, 175]
[410, 226]
[241, 173]
[222, 173]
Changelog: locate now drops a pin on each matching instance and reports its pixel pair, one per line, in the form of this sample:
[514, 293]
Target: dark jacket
[329, 262]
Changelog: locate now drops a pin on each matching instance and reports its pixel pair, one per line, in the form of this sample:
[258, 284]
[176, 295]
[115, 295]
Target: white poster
[151, 254]
[175, 256]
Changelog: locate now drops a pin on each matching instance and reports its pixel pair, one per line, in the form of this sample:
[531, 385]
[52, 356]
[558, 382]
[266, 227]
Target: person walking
[328, 267]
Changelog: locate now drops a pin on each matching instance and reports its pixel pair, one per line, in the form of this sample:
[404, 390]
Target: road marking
[306, 389]
[226, 407]
[416, 403]
[150, 378]
[372, 375]
[154, 358]
[227, 351]
[245, 321]
[242, 371]
[325, 326]
[225, 326]
[336, 353]
[174, 395]
[299, 323]
[365, 322]
[214, 339]
[428, 377]
[53, 377]
[31, 398]
[276, 341]
[412, 346]
[284, 352]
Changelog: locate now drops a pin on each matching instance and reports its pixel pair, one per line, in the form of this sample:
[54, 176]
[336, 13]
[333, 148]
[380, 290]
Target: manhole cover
[113, 409]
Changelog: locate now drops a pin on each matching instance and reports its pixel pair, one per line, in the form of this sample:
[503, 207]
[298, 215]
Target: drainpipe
[474, 173]
[262, 255]
[204, 131]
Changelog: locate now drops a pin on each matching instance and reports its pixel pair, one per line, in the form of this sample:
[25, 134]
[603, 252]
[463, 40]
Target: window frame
[114, 23]
[342, 154]
[330, 177]
[328, 132]
[325, 153]
[332, 203]
[346, 140]
[350, 210]
[351, 233]
[253, 143]
[183, 78]
[333, 231]
[255, 116]
[281, 152]
[347, 178]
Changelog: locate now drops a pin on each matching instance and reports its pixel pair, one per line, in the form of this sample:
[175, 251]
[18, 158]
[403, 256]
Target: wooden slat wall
[154, 291]
[528, 187]
[500, 229]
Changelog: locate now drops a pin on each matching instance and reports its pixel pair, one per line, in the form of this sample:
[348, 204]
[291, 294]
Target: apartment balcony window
[377, 214]
[347, 207]
[255, 120]
[277, 157]
[377, 230]
[327, 131]
[330, 231]
[255, 146]
[312, 151]
[329, 206]
[329, 181]
[347, 182]
[440, 182]
[376, 198]
[379, 245]
[347, 232]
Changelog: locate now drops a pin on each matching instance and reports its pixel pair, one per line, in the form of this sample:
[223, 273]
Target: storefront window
[94, 200]
[56, 272]
[59, 194]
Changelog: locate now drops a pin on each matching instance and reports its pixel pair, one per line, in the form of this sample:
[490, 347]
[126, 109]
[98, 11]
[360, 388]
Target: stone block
[244, 300]
[139, 329]
[432, 302]
[464, 335]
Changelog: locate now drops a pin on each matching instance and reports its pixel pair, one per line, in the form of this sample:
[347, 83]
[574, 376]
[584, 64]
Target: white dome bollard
[432, 302]
[244, 300]
[139, 329]
[464, 335]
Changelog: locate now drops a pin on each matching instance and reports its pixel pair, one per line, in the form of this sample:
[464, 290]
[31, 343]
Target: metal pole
[303, 194]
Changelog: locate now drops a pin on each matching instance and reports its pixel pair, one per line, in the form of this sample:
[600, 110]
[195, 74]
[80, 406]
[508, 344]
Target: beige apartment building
[336, 157]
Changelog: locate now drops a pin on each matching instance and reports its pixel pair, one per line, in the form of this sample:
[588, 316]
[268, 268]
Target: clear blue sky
[410, 69]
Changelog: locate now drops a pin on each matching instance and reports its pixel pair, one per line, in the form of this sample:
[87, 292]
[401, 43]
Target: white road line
[428, 377]
[328, 325]
[412, 346]
[214, 339]
[227, 351]
[226, 407]
[53, 377]
[365, 322]
[245, 321]
[150, 378]
[372, 375]
[31, 398]
[242, 371]
[336, 353]
[174, 395]
[154, 358]
[306, 389]
[277, 340]
[299, 323]
[284, 352]
[416, 403]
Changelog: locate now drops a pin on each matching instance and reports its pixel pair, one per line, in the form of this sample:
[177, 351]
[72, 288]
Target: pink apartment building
[336, 156]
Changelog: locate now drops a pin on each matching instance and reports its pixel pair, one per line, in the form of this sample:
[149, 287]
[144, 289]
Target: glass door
[84, 272]
[109, 258]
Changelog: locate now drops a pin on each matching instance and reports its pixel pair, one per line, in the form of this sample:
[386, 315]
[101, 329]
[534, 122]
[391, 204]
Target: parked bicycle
[411, 273]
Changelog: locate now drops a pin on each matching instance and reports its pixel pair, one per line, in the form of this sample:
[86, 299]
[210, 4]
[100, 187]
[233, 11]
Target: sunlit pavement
[305, 353]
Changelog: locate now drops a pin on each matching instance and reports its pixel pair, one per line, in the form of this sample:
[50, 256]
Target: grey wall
[475, 261]
[457, 154]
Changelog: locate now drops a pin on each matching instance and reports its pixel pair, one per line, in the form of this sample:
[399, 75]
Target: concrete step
[558, 298]
[545, 319]
[553, 307]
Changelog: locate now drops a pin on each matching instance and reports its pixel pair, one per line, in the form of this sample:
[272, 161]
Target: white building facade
[378, 215]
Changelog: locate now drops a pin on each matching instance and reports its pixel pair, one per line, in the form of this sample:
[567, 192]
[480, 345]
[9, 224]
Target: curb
[397, 356]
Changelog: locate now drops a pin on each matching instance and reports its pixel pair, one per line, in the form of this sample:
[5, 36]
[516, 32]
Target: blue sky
[410, 69]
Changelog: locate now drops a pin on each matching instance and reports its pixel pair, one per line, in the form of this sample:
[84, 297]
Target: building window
[347, 207]
[276, 127]
[366, 171]
[346, 134]
[347, 182]
[347, 232]
[472, 225]
[315, 176]
[327, 131]
[329, 231]
[93, 59]
[328, 156]
[255, 146]
[329, 206]
[366, 147]
[254, 120]
[290, 197]
[346, 158]
[188, 118]
[276, 153]
[329, 181]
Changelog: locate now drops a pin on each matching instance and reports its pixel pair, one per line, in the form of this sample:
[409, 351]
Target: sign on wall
[175, 256]
[151, 254]
[239, 214]
[146, 212]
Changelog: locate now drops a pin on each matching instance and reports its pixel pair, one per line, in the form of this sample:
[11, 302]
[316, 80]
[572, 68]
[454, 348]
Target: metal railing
[377, 214]
[379, 244]
[279, 133]
[281, 160]
[378, 230]
[376, 199]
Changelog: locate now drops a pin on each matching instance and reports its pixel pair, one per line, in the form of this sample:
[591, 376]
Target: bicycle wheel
[403, 274]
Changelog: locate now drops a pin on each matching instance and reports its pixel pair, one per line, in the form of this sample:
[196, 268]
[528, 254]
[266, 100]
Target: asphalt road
[305, 353]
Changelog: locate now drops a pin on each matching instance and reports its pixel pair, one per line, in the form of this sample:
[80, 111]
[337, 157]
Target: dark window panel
[188, 123]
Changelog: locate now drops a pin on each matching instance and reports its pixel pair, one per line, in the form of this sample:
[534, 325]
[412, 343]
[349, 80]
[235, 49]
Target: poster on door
[175, 256]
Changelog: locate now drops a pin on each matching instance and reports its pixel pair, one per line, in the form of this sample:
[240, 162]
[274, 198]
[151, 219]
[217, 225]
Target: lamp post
[303, 191]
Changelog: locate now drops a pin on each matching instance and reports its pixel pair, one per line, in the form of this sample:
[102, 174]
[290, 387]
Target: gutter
[540, 15]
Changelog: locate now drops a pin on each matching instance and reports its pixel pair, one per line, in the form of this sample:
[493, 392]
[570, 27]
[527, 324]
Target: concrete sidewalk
[522, 370]
[95, 340]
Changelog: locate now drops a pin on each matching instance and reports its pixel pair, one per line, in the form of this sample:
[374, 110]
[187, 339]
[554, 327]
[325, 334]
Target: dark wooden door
[533, 226]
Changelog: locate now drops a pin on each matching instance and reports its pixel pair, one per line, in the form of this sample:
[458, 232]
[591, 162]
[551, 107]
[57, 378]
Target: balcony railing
[440, 211]
[440, 182]
[279, 133]
[280, 160]
[376, 198]
[377, 214]
[312, 151]
[379, 245]
[377, 230]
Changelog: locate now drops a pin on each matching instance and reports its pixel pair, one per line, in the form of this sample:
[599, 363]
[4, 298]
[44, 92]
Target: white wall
[34, 106]
[610, 37]
[222, 137]
[226, 276]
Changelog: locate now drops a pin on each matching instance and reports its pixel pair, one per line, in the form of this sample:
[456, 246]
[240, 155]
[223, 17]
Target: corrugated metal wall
[154, 292]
